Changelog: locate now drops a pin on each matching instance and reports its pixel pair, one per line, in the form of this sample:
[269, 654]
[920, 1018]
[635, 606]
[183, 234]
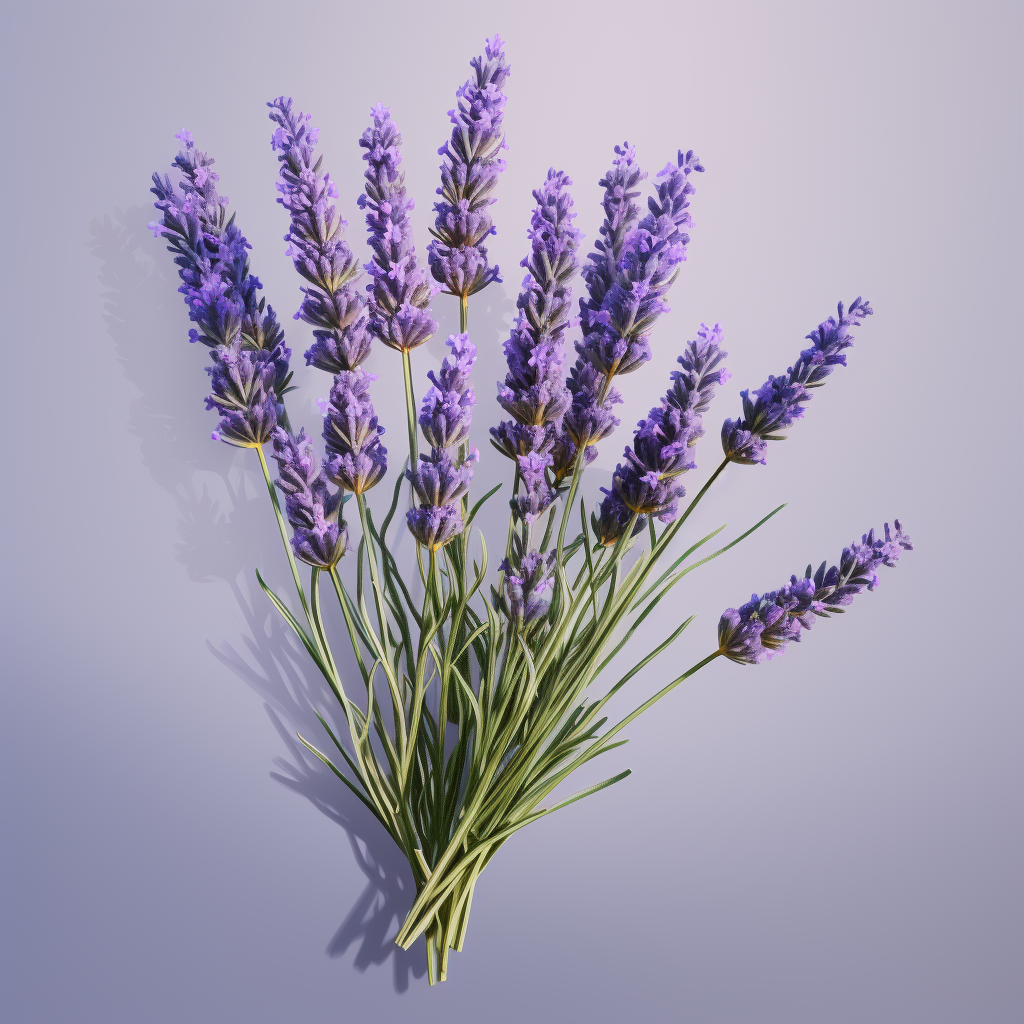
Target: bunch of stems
[462, 723]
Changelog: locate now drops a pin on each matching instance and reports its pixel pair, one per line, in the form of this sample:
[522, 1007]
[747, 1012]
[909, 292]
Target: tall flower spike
[400, 291]
[649, 482]
[469, 174]
[332, 301]
[526, 587]
[534, 393]
[779, 402]
[222, 296]
[319, 536]
[763, 627]
[616, 338]
[352, 434]
[440, 480]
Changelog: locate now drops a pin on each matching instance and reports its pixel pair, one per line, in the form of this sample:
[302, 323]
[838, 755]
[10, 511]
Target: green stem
[284, 530]
[410, 407]
[463, 314]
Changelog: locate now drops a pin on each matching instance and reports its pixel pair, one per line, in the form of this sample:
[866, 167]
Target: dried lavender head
[447, 410]
[469, 174]
[332, 301]
[526, 587]
[779, 402]
[352, 433]
[763, 627]
[400, 291]
[533, 392]
[319, 537]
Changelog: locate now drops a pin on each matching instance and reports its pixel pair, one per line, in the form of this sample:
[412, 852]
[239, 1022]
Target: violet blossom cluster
[534, 392]
[400, 292]
[649, 482]
[441, 479]
[250, 373]
[469, 174]
[762, 627]
[779, 402]
[357, 459]
[332, 301]
[526, 587]
[319, 535]
[617, 325]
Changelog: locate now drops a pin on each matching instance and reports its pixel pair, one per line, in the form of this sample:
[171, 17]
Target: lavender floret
[242, 391]
[469, 174]
[332, 301]
[526, 587]
[779, 402]
[400, 291]
[447, 409]
[319, 537]
[763, 627]
[352, 434]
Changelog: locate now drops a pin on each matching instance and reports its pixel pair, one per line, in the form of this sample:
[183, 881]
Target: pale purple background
[835, 836]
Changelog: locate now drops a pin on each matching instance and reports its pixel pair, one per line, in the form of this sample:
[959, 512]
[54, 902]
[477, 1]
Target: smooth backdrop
[832, 837]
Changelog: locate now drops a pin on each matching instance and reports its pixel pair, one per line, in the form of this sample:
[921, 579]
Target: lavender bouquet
[473, 697]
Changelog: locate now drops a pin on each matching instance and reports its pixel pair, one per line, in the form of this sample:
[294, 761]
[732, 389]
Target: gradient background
[832, 837]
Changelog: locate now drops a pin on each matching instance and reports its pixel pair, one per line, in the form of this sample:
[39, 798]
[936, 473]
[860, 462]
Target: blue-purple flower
[763, 627]
[319, 536]
[620, 312]
[649, 482]
[250, 356]
[441, 478]
[332, 301]
[534, 393]
[469, 174]
[527, 586]
[400, 291]
[779, 402]
[352, 434]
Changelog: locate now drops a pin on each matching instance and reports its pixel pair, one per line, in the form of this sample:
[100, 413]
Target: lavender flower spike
[533, 392]
[469, 174]
[617, 334]
[319, 537]
[439, 480]
[779, 402]
[332, 302]
[525, 588]
[400, 291]
[763, 627]
[649, 482]
[352, 434]
[250, 372]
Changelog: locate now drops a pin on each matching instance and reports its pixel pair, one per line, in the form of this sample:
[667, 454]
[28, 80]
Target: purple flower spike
[763, 627]
[352, 433]
[627, 279]
[648, 482]
[526, 588]
[434, 525]
[332, 301]
[533, 392]
[319, 537]
[400, 292]
[242, 385]
[447, 409]
[441, 479]
[469, 174]
[779, 402]
[537, 494]
[223, 299]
